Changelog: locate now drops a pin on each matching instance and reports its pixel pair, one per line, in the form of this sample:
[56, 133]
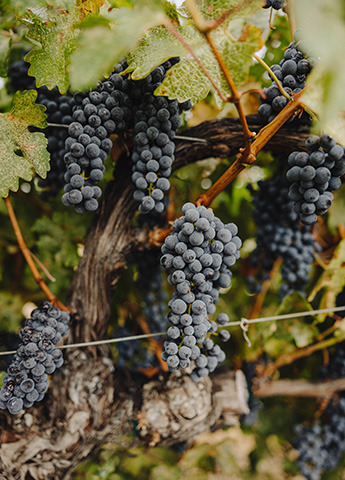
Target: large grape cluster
[280, 235]
[96, 116]
[26, 380]
[59, 111]
[291, 73]
[198, 255]
[314, 176]
[118, 104]
[276, 4]
[156, 121]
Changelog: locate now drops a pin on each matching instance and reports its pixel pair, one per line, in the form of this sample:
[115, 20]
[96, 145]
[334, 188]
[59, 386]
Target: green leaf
[22, 152]
[5, 44]
[158, 46]
[293, 303]
[332, 280]
[102, 46]
[213, 9]
[186, 80]
[324, 94]
[54, 29]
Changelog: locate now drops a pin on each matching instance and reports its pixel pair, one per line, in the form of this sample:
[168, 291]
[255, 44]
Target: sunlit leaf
[21, 152]
[55, 31]
[101, 47]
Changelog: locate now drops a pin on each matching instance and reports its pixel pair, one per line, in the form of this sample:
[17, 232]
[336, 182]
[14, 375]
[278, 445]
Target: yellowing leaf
[22, 152]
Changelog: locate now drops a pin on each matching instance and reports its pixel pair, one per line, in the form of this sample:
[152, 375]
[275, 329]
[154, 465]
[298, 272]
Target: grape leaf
[186, 80]
[158, 46]
[54, 29]
[22, 152]
[332, 280]
[100, 47]
[213, 9]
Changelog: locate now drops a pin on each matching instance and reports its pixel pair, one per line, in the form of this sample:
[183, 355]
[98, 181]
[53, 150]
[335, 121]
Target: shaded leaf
[332, 280]
[22, 152]
[293, 303]
[101, 47]
[54, 29]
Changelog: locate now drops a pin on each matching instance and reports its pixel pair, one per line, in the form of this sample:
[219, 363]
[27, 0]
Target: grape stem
[248, 157]
[272, 74]
[27, 255]
[235, 97]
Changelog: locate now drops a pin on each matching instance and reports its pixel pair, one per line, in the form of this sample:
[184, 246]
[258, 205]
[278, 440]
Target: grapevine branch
[28, 257]
[298, 388]
[235, 96]
[246, 158]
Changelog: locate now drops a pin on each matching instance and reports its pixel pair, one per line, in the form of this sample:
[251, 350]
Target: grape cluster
[276, 4]
[291, 73]
[321, 446]
[118, 104]
[58, 110]
[279, 235]
[156, 121]
[152, 290]
[314, 176]
[198, 255]
[97, 115]
[26, 380]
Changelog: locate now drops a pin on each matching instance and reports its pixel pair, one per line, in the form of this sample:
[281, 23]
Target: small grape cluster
[276, 4]
[291, 73]
[26, 380]
[156, 121]
[322, 445]
[279, 235]
[314, 176]
[198, 255]
[96, 116]
[59, 111]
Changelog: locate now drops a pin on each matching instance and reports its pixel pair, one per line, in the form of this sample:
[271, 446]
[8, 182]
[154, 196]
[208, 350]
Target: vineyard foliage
[215, 54]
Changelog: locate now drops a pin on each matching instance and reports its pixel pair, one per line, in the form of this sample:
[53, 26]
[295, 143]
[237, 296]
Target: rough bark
[89, 403]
